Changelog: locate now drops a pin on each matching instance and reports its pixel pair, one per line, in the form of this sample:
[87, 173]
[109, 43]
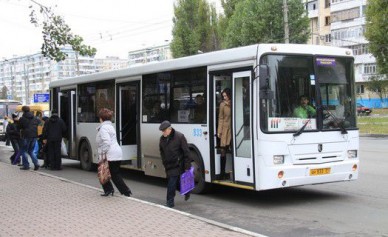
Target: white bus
[271, 147]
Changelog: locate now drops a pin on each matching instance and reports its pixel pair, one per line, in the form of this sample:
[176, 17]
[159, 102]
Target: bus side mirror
[264, 77]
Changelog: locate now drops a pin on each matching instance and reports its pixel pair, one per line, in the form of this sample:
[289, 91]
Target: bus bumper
[297, 175]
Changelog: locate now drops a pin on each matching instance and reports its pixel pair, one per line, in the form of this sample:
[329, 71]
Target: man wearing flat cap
[175, 157]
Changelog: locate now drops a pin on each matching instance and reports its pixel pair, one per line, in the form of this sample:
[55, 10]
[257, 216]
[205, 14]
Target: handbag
[103, 170]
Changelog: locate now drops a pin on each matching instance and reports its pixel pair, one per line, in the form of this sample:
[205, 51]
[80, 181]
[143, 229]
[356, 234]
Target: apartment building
[150, 54]
[341, 23]
[24, 76]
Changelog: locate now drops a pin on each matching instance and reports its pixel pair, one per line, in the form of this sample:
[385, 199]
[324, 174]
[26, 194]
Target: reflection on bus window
[92, 98]
[172, 96]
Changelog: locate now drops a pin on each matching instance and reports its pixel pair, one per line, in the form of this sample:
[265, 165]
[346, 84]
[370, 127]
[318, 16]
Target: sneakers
[36, 167]
[169, 205]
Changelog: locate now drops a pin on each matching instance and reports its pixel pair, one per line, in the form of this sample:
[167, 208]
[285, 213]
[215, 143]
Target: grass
[376, 123]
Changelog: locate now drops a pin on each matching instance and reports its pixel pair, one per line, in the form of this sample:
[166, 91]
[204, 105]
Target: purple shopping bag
[187, 181]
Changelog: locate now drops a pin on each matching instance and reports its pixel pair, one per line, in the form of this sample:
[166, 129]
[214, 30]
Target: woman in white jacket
[107, 144]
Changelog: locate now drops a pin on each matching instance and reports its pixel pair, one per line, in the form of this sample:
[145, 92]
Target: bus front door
[242, 124]
[128, 123]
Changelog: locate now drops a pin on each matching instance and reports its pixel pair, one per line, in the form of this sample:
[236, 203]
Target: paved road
[357, 208]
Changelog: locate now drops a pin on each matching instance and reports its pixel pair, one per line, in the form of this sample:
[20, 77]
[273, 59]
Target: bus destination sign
[41, 98]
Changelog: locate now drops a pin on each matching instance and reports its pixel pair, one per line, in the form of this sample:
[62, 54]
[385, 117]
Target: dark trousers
[15, 158]
[172, 182]
[54, 154]
[114, 168]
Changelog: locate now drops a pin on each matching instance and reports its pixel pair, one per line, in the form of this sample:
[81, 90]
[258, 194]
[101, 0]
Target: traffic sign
[41, 98]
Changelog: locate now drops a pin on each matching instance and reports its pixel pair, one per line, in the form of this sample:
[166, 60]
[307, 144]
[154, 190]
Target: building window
[369, 68]
[360, 89]
[327, 20]
[328, 38]
[327, 3]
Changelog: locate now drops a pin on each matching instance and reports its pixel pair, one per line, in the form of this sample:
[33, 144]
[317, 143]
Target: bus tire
[85, 156]
[199, 174]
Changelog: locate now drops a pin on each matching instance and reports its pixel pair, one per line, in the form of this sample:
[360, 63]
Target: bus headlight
[352, 154]
[278, 159]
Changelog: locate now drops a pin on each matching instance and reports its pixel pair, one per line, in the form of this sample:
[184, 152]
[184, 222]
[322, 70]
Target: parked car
[363, 110]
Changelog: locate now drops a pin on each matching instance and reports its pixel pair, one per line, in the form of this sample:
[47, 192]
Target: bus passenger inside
[304, 109]
[200, 110]
[158, 113]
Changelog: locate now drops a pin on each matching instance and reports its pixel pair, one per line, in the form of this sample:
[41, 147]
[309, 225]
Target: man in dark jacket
[14, 135]
[29, 133]
[175, 157]
[53, 131]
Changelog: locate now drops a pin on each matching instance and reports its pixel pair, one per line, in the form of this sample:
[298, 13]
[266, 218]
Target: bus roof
[245, 53]
[5, 101]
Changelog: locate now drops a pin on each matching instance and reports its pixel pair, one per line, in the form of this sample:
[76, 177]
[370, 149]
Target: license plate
[323, 171]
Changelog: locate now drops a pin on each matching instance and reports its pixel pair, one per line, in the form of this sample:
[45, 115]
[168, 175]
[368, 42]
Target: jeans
[27, 147]
[171, 188]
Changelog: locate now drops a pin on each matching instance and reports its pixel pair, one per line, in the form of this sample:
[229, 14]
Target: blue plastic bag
[187, 181]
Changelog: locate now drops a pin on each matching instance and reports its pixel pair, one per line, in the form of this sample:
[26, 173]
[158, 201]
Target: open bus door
[242, 128]
[239, 158]
[67, 111]
[128, 123]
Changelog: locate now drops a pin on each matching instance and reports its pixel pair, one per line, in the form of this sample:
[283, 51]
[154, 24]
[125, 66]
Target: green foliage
[3, 94]
[261, 21]
[193, 30]
[376, 32]
[56, 34]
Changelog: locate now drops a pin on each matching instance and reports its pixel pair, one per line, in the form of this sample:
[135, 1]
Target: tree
[56, 33]
[229, 7]
[192, 28]
[261, 21]
[4, 93]
[376, 32]
[379, 85]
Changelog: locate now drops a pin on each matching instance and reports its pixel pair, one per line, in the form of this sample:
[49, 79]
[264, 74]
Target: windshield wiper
[301, 130]
[337, 121]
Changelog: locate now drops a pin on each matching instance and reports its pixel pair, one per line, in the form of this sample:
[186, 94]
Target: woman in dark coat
[53, 131]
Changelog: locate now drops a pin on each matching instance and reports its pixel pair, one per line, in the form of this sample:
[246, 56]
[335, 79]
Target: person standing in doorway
[224, 128]
[53, 131]
[175, 157]
[107, 144]
[29, 133]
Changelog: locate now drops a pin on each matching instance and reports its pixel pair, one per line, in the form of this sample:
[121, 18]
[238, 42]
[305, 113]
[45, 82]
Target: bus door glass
[220, 83]
[242, 124]
[128, 122]
[67, 111]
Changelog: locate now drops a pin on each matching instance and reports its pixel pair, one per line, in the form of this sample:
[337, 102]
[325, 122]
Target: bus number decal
[197, 132]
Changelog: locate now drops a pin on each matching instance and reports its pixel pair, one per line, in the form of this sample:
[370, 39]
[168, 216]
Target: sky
[113, 27]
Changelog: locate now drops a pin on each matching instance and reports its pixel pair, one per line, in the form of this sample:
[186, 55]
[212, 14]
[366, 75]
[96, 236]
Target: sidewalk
[33, 203]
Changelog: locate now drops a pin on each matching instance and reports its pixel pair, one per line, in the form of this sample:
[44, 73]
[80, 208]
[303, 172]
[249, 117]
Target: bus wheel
[85, 156]
[199, 174]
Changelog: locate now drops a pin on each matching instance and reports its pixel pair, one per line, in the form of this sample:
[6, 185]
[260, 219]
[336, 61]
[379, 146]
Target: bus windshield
[315, 91]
